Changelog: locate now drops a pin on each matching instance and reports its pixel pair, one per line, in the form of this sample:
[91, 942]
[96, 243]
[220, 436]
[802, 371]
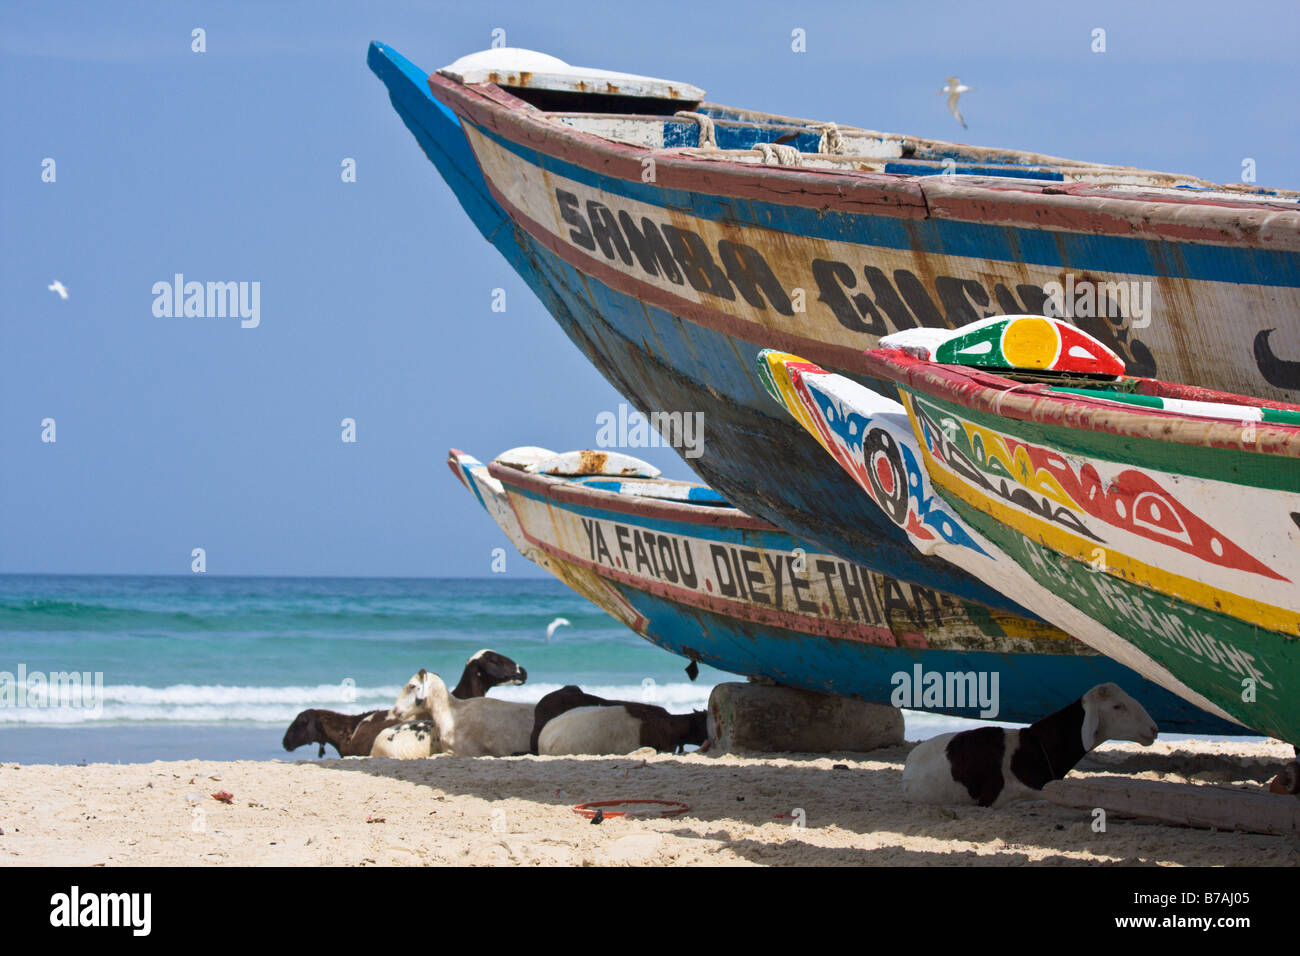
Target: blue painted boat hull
[648, 355]
[801, 637]
[1031, 685]
[754, 455]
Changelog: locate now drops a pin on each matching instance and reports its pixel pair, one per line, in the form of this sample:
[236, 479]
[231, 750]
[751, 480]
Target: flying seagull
[557, 623]
[60, 288]
[955, 89]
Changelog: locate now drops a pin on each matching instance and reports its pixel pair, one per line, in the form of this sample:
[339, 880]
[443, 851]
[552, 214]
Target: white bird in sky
[954, 88]
[557, 623]
[60, 288]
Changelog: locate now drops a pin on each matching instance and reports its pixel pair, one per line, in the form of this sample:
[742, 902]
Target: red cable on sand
[652, 808]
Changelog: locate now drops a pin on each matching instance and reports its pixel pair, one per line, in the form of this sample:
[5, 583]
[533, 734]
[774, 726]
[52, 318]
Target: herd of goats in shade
[428, 719]
[989, 766]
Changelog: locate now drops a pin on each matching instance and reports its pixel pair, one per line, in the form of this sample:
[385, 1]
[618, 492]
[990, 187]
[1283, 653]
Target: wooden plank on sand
[1182, 803]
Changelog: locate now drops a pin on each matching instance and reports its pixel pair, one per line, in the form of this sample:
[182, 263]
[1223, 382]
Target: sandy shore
[458, 810]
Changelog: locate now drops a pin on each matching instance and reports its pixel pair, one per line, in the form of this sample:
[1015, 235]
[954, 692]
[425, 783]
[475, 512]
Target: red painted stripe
[875, 193]
[1000, 396]
[558, 489]
[817, 350]
[739, 610]
[1195, 393]
[1075, 207]
[454, 457]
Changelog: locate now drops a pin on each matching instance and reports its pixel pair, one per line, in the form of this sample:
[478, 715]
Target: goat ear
[1091, 725]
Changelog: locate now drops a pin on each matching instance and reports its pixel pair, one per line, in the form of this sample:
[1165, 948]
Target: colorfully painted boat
[1159, 523]
[673, 239]
[682, 568]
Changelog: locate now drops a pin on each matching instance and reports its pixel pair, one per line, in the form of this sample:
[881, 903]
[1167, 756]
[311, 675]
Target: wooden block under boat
[1183, 804]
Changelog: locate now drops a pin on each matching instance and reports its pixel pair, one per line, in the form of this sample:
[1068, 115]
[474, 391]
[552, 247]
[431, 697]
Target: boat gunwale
[1071, 207]
[565, 491]
[997, 395]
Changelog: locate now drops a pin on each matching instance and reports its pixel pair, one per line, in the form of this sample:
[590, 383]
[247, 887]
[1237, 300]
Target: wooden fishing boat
[684, 569]
[1160, 523]
[673, 239]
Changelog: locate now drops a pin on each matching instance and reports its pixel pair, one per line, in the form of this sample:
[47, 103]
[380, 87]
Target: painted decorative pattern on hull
[1147, 553]
[870, 437]
[713, 584]
[996, 504]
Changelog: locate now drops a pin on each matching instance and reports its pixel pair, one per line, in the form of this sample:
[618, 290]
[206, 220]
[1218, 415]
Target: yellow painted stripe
[1115, 564]
[778, 365]
[1026, 629]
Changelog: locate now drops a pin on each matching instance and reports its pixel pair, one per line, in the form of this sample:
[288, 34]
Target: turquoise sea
[198, 666]
[217, 667]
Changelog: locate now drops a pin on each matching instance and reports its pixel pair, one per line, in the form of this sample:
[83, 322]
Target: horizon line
[321, 577]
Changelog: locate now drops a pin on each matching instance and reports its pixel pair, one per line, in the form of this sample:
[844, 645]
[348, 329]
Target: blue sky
[178, 433]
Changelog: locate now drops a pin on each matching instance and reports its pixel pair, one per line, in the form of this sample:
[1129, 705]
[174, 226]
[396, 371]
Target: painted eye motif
[1028, 342]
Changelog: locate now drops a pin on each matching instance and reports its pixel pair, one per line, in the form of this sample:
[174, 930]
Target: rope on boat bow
[779, 155]
[831, 141]
[707, 138]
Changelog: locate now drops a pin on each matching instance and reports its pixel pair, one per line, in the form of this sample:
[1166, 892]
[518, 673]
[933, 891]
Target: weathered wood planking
[1182, 804]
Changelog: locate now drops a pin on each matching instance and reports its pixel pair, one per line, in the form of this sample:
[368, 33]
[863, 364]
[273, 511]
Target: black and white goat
[557, 702]
[994, 766]
[569, 721]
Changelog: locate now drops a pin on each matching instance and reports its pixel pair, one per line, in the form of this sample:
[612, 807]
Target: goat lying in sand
[407, 740]
[556, 703]
[354, 735]
[568, 721]
[477, 727]
[994, 766]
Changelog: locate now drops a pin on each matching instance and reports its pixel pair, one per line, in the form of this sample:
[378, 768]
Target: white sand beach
[517, 811]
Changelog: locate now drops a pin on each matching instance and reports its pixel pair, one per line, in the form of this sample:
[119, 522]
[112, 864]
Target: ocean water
[216, 667]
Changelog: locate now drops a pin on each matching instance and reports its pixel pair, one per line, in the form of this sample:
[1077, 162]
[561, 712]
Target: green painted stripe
[1128, 398]
[1281, 416]
[1209, 651]
[1252, 469]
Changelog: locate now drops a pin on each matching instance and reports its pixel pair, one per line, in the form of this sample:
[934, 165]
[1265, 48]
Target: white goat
[620, 727]
[590, 730]
[407, 740]
[994, 766]
[477, 727]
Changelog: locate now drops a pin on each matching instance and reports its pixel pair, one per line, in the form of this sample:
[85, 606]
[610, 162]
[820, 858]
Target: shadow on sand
[730, 800]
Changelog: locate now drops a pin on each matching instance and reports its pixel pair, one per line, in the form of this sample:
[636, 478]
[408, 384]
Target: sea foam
[220, 704]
